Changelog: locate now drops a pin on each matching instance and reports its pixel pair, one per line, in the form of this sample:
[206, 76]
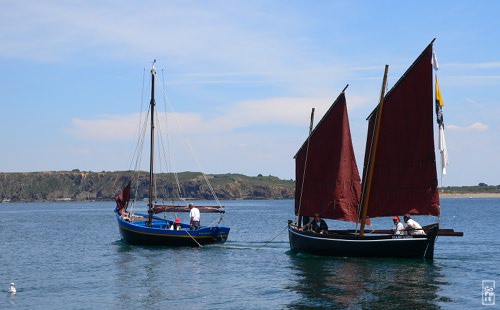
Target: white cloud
[480, 65]
[110, 128]
[471, 128]
[284, 111]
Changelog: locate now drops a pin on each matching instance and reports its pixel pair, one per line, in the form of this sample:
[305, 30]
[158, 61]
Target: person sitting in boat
[399, 229]
[318, 225]
[177, 224]
[412, 227]
[194, 215]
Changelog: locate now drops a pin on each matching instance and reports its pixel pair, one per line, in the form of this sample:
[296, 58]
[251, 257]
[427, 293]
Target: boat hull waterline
[138, 233]
[350, 245]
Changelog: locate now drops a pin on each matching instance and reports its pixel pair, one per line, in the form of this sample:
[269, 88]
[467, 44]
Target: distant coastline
[469, 195]
[79, 185]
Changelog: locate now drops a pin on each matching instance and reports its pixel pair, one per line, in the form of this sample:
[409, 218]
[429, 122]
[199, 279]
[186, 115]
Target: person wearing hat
[399, 229]
[412, 227]
[177, 224]
[194, 215]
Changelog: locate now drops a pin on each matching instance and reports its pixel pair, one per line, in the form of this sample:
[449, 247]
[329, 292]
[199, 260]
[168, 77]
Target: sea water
[69, 255]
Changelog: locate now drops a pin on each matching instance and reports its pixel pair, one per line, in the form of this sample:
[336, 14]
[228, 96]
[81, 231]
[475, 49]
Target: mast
[152, 104]
[373, 152]
[305, 166]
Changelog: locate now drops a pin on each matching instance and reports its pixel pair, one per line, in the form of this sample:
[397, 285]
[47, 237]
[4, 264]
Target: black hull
[137, 233]
[350, 245]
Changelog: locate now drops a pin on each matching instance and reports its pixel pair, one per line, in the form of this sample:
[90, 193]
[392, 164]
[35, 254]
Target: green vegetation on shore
[481, 188]
[79, 185]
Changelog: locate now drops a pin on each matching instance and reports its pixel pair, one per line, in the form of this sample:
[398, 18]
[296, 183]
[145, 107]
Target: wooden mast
[299, 224]
[152, 145]
[373, 151]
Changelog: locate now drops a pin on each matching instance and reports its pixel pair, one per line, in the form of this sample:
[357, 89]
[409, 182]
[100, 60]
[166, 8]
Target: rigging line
[158, 162]
[162, 154]
[171, 162]
[212, 191]
[140, 149]
[214, 222]
[169, 156]
[193, 239]
[139, 122]
[273, 238]
[138, 159]
[100, 184]
[174, 171]
[191, 148]
[140, 144]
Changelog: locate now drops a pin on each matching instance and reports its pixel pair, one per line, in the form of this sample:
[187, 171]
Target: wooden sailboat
[399, 174]
[150, 229]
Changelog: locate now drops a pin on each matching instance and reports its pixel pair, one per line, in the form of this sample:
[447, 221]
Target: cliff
[78, 185]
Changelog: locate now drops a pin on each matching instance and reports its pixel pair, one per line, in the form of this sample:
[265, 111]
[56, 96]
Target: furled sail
[330, 184]
[123, 199]
[404, 172]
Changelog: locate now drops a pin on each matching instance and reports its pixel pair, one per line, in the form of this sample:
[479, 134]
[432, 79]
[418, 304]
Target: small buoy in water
[12, 289]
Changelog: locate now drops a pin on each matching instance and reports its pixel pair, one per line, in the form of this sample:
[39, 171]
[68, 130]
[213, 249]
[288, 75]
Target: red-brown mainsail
[404, 176]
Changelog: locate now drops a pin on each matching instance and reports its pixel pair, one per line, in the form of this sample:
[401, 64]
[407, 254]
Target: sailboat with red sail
[399, 175]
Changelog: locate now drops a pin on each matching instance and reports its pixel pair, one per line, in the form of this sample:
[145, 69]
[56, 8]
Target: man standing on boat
[412, 227]
[194, 215]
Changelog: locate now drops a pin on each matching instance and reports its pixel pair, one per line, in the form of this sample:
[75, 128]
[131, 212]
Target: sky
[241, 78]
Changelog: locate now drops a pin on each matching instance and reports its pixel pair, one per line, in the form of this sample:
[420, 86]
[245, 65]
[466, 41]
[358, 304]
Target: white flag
[434, 61]
[442, 149]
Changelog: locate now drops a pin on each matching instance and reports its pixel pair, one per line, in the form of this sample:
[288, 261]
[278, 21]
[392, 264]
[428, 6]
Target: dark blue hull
[138, 233]
[350, 245]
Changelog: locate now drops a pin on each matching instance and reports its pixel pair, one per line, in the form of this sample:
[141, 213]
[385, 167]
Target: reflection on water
[347, 283]
[150, 277]
[140, 268]
[123, 266]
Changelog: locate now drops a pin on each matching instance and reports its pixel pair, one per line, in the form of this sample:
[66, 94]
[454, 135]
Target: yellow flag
[439, 99]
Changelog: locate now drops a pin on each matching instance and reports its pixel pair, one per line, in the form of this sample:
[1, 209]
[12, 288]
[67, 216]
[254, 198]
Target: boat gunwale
[358, 238]
[200, 233]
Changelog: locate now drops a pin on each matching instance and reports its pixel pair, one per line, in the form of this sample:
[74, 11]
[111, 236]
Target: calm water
[69, 256]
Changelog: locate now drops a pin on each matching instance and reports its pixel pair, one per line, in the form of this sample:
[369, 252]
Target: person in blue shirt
[318, 225]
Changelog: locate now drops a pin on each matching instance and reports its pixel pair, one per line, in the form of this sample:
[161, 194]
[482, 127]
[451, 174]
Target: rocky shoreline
[95, 186]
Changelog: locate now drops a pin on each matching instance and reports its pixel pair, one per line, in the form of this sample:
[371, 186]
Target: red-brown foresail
[331, 185]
